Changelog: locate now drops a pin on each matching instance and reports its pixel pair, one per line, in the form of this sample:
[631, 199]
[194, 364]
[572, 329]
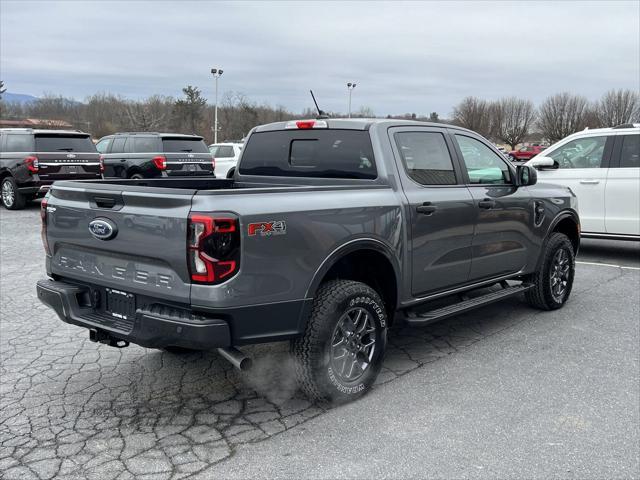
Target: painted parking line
[608, 265]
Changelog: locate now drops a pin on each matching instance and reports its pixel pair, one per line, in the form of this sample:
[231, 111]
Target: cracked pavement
[70, 408]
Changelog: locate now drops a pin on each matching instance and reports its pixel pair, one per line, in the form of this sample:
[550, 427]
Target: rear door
[582, 164]
[440, 209]
[66, 157]
[115, 161]
[146, 254]
[622, 192]
[502, 211]
[187, 156]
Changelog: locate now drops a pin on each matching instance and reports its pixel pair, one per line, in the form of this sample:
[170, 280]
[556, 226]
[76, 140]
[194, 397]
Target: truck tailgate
[146, 253]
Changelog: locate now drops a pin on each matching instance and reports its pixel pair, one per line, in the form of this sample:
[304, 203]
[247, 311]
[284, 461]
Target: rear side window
[103, 145]
[224, 151]
[145, 144]
[62, 143]
[118, 144]
[18, 143]
[191, 145]
[630, 155]
[426, 157]
[310, 153]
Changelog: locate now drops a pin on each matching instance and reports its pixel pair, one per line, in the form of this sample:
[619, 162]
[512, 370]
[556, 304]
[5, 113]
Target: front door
[582, 165]
[503, 212]
[440, 209]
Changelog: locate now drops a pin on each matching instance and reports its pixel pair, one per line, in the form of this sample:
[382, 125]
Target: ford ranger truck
[329, 231]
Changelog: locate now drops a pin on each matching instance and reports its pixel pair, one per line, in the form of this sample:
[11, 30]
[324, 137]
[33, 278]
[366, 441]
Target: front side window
[103, 145]
[580, 153]
[630, 156]
[484, 166]
[426, 157]
[18, 143]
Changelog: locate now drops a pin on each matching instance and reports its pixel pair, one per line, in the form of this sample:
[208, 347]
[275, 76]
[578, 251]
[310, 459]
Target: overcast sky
[405, 57]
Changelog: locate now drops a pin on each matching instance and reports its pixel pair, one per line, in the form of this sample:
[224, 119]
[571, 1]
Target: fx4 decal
[265, 229]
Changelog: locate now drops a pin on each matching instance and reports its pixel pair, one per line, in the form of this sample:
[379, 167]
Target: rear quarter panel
[281, 267]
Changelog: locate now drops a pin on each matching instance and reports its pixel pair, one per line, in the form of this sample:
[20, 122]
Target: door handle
[487, 203]
[589, 182]
[426, 208]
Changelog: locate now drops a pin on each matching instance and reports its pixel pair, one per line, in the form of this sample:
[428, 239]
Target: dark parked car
[31, 160]
[329, 231]
[151, 155]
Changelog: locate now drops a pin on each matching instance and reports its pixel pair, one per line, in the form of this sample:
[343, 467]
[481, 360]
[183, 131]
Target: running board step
[423, 318]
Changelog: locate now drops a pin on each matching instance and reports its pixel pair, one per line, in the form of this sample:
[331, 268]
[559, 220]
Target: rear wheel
[554, 280]
[12, 199]
[136, 176]
[231, 172]
[341, 353]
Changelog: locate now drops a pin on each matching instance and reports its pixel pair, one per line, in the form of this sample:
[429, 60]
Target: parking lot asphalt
[505, 391]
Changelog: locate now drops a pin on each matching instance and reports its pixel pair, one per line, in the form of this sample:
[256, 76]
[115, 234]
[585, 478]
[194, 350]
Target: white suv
[226, 156]
[602, 167]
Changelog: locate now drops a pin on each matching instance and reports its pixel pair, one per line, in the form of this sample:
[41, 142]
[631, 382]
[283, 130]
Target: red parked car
[526, 153]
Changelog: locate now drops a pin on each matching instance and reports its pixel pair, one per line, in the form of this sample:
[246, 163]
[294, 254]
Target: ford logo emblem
[103, 229]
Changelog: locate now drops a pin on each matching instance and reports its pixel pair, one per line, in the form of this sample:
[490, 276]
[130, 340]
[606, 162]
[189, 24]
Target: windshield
[310, 153]
[191, 145]
[62, 143]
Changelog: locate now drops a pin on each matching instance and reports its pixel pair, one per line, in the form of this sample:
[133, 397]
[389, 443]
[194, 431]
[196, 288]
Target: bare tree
[512, 119]
[563, 114]
[473, 113]
[152, 114]
[617, 107]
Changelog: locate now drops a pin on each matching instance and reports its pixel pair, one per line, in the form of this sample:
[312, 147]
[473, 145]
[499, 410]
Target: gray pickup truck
[330, 230]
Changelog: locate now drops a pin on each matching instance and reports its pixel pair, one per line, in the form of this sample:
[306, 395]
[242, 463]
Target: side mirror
[540, 161]
[527, 175]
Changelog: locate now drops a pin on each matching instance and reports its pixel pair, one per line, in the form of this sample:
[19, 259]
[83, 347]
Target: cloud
[405, 57]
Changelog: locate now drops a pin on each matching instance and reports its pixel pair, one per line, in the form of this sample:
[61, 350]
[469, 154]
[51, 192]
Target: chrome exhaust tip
[236, 358]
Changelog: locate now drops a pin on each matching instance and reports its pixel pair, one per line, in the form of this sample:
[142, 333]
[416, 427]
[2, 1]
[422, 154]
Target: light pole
[216, 72]
[350, 87]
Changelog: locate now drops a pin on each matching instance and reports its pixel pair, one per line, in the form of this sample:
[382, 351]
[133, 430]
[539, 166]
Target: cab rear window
[191, 145]
[64, 143]
[310, 153]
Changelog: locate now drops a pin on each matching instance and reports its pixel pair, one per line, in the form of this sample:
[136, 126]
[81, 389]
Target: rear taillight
[32, 163]
[213, 248]
[101, 160]
[213, 163]
[43, 230]
[160, 162]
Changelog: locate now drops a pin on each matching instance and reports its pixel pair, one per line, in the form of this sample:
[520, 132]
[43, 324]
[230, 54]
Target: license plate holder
[119, 304]
[192, 167]
[70, 169]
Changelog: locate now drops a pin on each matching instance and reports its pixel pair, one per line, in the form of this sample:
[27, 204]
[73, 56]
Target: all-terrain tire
[10, 197]
[337, 302]
[542, 295]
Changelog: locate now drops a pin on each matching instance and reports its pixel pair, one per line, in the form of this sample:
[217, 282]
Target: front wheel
[12, 199]
[341, 353]
[553, 282]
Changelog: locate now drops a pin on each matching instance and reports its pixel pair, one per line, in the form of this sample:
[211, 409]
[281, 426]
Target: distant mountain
[18, 98]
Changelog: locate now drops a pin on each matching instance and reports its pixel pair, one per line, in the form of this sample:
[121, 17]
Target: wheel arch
[369, 261]
[568, 223]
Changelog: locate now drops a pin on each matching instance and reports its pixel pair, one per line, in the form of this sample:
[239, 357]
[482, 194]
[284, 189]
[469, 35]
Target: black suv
[31, 160]
[149, 155]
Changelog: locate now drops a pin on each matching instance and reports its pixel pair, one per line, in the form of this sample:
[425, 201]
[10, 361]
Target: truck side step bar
[417, 318]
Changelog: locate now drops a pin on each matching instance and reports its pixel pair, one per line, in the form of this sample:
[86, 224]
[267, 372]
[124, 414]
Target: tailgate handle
[105, 202]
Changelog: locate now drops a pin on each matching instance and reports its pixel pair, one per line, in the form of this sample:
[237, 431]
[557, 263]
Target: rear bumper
[154, 326]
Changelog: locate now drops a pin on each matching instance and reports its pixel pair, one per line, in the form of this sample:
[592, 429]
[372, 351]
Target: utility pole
[350, 87]
[216, 72]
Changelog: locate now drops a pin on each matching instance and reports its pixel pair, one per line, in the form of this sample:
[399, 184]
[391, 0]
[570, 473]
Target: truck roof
[159, 134]
[359, 124]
